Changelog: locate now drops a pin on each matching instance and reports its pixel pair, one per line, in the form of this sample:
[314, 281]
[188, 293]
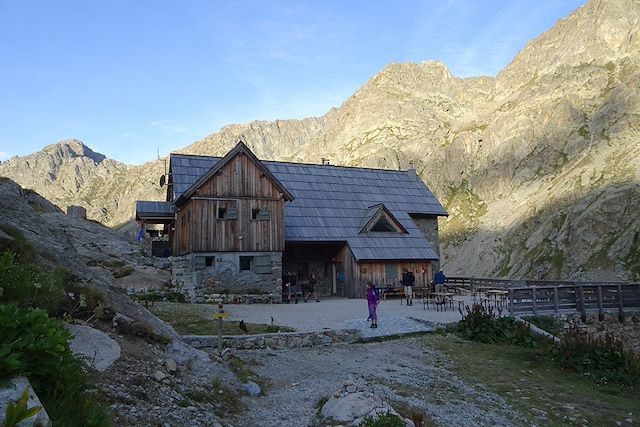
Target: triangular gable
[240, 148]
[381, 219]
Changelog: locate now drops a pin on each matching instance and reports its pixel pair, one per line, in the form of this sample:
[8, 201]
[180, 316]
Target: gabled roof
[239, 149]
[331, 203]
[377, 212]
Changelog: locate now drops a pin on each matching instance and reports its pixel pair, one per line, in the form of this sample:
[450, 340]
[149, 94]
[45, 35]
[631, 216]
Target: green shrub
[603, 358]
[386, 420]
[484, 325]
[36, 346]
[547, 323]
[27, 285]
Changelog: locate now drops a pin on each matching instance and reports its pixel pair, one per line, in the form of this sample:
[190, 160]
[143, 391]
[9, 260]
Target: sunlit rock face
[539, 166]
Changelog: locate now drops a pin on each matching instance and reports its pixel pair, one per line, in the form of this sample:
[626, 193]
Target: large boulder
[96, 348]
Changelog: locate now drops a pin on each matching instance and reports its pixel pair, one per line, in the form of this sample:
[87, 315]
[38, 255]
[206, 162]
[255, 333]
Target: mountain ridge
[523, 161]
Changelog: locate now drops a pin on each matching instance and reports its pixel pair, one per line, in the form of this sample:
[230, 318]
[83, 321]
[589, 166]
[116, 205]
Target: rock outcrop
[538, 166]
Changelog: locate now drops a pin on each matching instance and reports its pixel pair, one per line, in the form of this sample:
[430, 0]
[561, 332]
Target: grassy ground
[529, 381]
[194, 319]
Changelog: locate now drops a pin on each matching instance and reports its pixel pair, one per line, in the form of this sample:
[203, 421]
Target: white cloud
[4, 155]
[169, 126]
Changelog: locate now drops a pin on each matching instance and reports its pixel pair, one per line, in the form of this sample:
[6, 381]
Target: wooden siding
[239, 178]
[240, 185]
[376, 272]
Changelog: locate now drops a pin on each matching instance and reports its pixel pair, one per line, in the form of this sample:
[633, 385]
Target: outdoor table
[495, 297]
[445, 298]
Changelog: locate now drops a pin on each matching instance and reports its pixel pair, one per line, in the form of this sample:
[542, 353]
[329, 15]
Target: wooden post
[600, 305]
[555, 301]
[220, 336]
[533, 299]
[511, 302]
[620, 305]
[580, 303]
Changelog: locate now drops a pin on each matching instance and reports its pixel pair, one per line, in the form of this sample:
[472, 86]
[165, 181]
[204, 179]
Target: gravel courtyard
[406, 372]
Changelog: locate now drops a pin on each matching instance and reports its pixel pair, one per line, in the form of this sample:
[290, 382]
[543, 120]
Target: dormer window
[384, 226]
[380, 220]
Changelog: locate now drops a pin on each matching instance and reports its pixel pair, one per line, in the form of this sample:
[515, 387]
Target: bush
[386, 420]
[27, 285]
[483, 325]
[603, 358]
[33, 345]
[547, 323]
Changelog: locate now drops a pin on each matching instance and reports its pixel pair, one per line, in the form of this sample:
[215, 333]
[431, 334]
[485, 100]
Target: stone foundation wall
[629, 330]
[277, 340]
[199, 282]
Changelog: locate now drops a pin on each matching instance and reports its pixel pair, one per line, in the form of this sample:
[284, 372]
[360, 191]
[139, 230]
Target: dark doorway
[301, 259]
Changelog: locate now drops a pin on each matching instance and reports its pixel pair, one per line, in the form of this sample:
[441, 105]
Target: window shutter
[264, 214]
[232, 213]
[199, 262]
[262, 264]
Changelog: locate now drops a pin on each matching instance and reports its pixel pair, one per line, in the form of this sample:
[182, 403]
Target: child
[372, 302]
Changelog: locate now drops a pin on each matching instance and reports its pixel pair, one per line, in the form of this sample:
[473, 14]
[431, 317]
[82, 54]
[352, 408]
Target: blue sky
[129, 78]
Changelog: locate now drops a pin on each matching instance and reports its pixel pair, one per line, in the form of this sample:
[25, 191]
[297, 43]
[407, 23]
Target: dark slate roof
[332, 203]
[145, 209]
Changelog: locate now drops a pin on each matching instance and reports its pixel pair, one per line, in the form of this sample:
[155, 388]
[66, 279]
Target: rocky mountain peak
[70, 148]
[597, 34]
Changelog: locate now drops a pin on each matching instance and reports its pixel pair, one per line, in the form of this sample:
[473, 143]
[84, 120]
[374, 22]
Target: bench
[392, 292]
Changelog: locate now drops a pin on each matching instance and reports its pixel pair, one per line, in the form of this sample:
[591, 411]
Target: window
[245, 263]
[260, 214]
[230, 213]
[209, 261]
[383, 225]
[391, 272]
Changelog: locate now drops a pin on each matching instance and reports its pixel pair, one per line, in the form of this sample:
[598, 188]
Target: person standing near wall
[311, 287]
[408, 279]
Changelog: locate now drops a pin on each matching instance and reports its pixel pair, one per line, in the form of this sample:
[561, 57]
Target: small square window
[255, 213]
[245, 263]
[222, 213]
[209, 261]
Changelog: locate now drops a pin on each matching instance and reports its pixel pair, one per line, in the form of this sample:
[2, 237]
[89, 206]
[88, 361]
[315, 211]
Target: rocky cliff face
[539, 166]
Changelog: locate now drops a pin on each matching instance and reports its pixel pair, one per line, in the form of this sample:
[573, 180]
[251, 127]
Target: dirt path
[406, 372]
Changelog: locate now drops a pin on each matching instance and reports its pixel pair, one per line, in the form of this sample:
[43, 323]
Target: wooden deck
[527, 297]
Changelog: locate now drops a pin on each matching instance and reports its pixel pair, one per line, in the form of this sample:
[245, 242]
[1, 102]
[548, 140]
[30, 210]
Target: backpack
[377, 291]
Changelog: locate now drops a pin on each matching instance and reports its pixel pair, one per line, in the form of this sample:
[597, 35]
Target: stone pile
[628, 331]
[354, 402]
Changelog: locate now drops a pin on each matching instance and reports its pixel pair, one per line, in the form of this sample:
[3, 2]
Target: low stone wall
[239, 299]
[629, 330]
[276, 340]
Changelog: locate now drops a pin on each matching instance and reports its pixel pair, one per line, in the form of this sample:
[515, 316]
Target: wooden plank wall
[358, 273]
[240, 185]
[376, 272]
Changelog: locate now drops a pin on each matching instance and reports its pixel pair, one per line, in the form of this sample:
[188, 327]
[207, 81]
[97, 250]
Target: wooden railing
[555, 297]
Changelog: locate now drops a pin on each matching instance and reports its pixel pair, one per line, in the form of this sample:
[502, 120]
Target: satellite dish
[163, 179]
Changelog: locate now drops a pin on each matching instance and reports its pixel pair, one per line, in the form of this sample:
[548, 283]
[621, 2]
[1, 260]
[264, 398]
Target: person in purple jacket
[372, 301]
